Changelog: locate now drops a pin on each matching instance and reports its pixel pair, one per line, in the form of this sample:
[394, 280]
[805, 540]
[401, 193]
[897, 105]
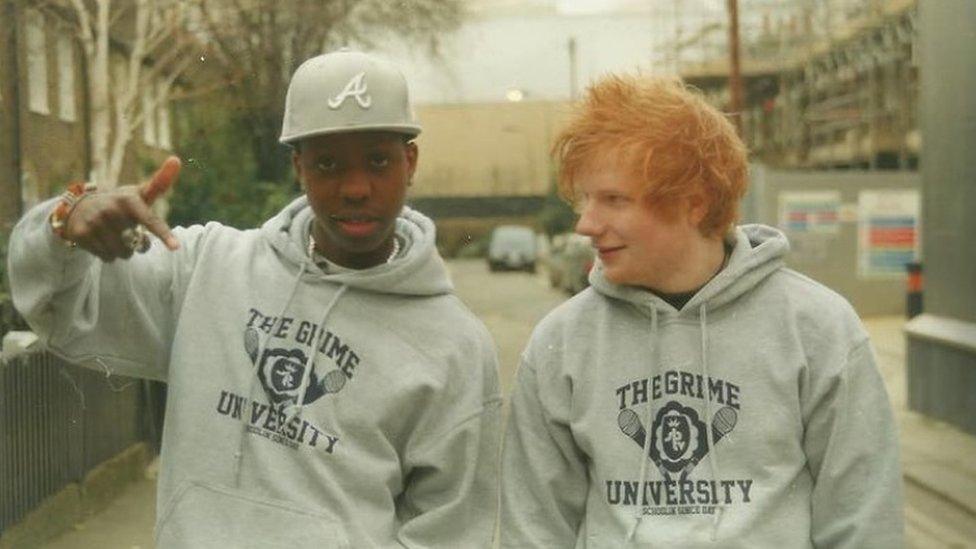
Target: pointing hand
[97, 222]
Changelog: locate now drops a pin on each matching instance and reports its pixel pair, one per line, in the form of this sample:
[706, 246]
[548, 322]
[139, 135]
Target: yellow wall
[497, 149]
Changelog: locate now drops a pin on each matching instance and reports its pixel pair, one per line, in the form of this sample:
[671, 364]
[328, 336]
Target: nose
[355, 186]
[589, 223]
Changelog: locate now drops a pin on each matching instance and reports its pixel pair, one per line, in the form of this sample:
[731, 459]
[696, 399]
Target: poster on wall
[809, 212]
[888, 232]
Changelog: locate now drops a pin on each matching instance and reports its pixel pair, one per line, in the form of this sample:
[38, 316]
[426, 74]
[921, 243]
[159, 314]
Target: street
[510, 304]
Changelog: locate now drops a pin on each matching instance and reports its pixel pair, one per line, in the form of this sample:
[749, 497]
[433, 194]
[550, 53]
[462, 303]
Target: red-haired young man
[699, 393]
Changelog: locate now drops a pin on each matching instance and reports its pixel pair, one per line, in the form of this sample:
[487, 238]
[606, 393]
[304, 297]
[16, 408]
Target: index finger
[161, 181]
[141, 212]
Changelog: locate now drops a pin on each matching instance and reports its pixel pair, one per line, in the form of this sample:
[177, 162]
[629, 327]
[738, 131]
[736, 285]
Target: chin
[621, 278]
[614, 276]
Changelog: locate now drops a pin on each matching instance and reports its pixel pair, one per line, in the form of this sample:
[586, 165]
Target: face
[636, 245]
[356, 184]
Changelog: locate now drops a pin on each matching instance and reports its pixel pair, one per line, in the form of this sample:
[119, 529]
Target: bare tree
[149, 41]
[262, 42]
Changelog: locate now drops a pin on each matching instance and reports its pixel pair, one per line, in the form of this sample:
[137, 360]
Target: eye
[379, 160]
[326, 165]
[579, 204]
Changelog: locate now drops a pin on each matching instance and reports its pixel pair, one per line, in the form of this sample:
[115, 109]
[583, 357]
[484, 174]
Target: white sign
[888, 232]
[810, 212]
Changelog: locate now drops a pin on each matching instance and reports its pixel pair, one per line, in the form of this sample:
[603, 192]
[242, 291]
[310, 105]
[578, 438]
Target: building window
[165, 138]
[149, 116]
[36, 62]
[66, 79]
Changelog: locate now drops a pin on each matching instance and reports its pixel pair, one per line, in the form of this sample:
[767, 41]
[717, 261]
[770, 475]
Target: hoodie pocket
[201, 515]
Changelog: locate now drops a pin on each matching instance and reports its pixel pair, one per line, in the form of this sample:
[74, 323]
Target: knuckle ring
[136, 239]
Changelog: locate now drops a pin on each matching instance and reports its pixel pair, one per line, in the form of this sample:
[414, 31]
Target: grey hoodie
[753, 417]
[394, 439]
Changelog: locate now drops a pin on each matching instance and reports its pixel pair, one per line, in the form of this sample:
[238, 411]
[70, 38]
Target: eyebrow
[605, 193]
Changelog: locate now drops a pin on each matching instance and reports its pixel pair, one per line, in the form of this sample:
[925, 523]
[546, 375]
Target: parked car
[551, 259]
[569, 262]
[512, 247]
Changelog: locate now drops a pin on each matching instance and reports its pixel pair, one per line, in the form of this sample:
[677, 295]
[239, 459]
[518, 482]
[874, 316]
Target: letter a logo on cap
[355, 88]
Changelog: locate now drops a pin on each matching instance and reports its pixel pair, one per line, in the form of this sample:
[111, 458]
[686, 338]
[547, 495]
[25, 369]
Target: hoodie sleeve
[851, 445]
[116, 317]
[450, 496]
[544, 477]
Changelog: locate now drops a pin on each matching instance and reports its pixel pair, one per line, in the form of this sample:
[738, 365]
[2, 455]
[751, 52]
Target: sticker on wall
[809, 212]
[888, 232]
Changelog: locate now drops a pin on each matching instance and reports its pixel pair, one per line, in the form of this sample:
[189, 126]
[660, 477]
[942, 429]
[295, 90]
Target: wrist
[72, 196]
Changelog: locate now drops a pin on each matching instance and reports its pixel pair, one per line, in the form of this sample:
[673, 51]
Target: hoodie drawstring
[645, 455]
[709, 418]
[297, 408]
[239, 455]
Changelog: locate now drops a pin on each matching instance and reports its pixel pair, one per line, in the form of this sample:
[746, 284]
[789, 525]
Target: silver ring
[136, 239]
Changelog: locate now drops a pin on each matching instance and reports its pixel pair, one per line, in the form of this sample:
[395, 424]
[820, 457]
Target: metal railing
[59, 421]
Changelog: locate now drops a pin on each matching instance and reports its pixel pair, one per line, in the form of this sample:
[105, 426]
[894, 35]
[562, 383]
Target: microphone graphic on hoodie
[631, 426]
[722, 424]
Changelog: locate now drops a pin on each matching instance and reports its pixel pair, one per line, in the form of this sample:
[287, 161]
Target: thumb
[161, 181]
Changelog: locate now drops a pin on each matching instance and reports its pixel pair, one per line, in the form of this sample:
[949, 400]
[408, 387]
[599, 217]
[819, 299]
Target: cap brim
[406, 129]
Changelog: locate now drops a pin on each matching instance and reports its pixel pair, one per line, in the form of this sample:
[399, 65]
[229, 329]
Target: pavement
[936, 456]
[937, 459]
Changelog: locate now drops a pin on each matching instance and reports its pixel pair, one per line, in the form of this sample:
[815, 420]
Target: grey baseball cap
[346, 91]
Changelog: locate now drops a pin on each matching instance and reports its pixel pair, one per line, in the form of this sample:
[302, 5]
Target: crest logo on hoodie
[292, 355]
[282, 369]
[677, 439]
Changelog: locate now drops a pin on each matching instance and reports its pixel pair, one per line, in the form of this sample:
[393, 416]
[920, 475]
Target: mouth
[608, 252]
[357, 226]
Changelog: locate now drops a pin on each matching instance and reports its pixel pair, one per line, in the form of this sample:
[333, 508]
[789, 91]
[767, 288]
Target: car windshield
[513, 238]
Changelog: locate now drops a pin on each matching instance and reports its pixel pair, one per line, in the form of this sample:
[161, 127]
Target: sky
[523, 45]
[487, 58]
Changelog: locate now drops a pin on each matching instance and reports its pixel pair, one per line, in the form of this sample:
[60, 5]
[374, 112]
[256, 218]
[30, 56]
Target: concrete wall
[827, 215]
[486, 149]
[942, 343]
[948, 34]
[482, 165]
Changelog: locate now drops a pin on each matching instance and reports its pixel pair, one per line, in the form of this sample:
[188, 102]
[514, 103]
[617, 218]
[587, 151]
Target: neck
[364, 260]
[700, 262]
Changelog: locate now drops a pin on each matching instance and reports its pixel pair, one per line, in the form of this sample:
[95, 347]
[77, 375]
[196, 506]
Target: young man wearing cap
[326, 387]
[699, 394]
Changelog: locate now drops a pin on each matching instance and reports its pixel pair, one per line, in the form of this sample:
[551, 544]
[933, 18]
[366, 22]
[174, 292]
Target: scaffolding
[828, 83]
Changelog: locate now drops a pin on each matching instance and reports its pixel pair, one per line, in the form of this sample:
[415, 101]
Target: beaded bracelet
[75, 193]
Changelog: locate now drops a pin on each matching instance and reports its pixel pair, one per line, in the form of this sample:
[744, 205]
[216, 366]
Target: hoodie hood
[417, 270]
[758, 251]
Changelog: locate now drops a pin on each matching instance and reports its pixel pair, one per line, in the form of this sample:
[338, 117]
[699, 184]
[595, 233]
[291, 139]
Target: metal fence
[57, 422]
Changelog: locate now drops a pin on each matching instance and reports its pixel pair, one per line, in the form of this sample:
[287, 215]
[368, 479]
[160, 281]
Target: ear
[697, 208]
[412, 153]
[297, 165]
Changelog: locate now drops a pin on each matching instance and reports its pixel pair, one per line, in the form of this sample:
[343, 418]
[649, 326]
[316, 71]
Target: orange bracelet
[75, 193]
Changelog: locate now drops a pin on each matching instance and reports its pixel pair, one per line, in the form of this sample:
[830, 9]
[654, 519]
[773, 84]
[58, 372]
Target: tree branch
[84, 29]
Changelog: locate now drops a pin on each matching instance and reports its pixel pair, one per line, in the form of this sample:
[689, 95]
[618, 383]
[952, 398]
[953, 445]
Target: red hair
[677, 145]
